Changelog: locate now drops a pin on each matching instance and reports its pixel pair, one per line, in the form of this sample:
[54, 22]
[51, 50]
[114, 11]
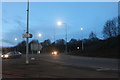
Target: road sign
[36, 46]
[27, 35]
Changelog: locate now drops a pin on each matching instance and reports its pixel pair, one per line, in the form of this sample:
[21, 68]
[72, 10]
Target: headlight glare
[54, 52]
[6, 56]
[1, 55]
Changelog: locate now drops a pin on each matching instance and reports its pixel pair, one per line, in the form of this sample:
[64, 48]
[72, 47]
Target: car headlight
[1, 55]
[6, 56]
[54, 53]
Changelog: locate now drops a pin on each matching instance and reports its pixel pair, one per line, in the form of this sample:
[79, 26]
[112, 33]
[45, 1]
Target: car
[12, 54]
[55, 53]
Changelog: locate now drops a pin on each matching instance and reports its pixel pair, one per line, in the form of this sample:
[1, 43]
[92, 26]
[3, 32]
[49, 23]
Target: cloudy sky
[91, 16]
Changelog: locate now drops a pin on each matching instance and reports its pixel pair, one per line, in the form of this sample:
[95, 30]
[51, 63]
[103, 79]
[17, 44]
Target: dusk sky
[91, 16]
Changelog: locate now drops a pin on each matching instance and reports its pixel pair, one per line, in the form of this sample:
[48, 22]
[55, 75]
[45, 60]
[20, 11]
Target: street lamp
[59, 23]
[15, 41]
[39, 35]
[27, 32]
[82, 39]
[81, 29]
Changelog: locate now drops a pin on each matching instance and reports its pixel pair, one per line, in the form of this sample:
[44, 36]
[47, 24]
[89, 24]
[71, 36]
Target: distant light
[16, 39]
[38, 52]
[39, 35]
[78, 47]
[59, 23]
[54, 53]
[81, 29]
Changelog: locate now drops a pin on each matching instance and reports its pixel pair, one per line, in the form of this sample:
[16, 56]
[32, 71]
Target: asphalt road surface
[77, 61]
[48, 66]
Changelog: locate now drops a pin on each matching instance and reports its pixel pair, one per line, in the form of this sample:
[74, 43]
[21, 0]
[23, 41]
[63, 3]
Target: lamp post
[54, 34]
[59, 23]
[39, 35]
[27, 32]
[27, 35]
[15, 41]
[82, 39]
[54, 46]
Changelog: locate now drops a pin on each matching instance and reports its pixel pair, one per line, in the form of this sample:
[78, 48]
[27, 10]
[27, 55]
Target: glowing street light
[39, 35]
[78, 47]
[15, 39]
[82, 40]
[59, 23]
[81, 29]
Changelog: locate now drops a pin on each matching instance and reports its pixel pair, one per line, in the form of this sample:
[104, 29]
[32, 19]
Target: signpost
[36, 47]
[27, 35]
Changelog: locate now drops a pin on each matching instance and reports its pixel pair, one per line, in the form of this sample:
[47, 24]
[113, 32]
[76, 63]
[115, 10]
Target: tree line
[112, 28]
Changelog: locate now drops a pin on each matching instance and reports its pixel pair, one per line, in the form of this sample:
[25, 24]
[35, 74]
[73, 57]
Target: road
[89, 62]
[48, 66]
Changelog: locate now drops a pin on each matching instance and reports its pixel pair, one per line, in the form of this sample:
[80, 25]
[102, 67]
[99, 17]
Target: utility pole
[82, 45]
[27, 35]
[82, 39]
[27, 32]
[66, 48]
[54, 34]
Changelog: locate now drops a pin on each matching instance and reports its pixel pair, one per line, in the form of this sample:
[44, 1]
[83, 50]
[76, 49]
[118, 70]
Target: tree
[73, 43]
[110, 29]
[60, 42]
[21, 47]
[46, 46]
[92, 36]
[118, 25]
[60, 45]
[34, 41]
[46, 42]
